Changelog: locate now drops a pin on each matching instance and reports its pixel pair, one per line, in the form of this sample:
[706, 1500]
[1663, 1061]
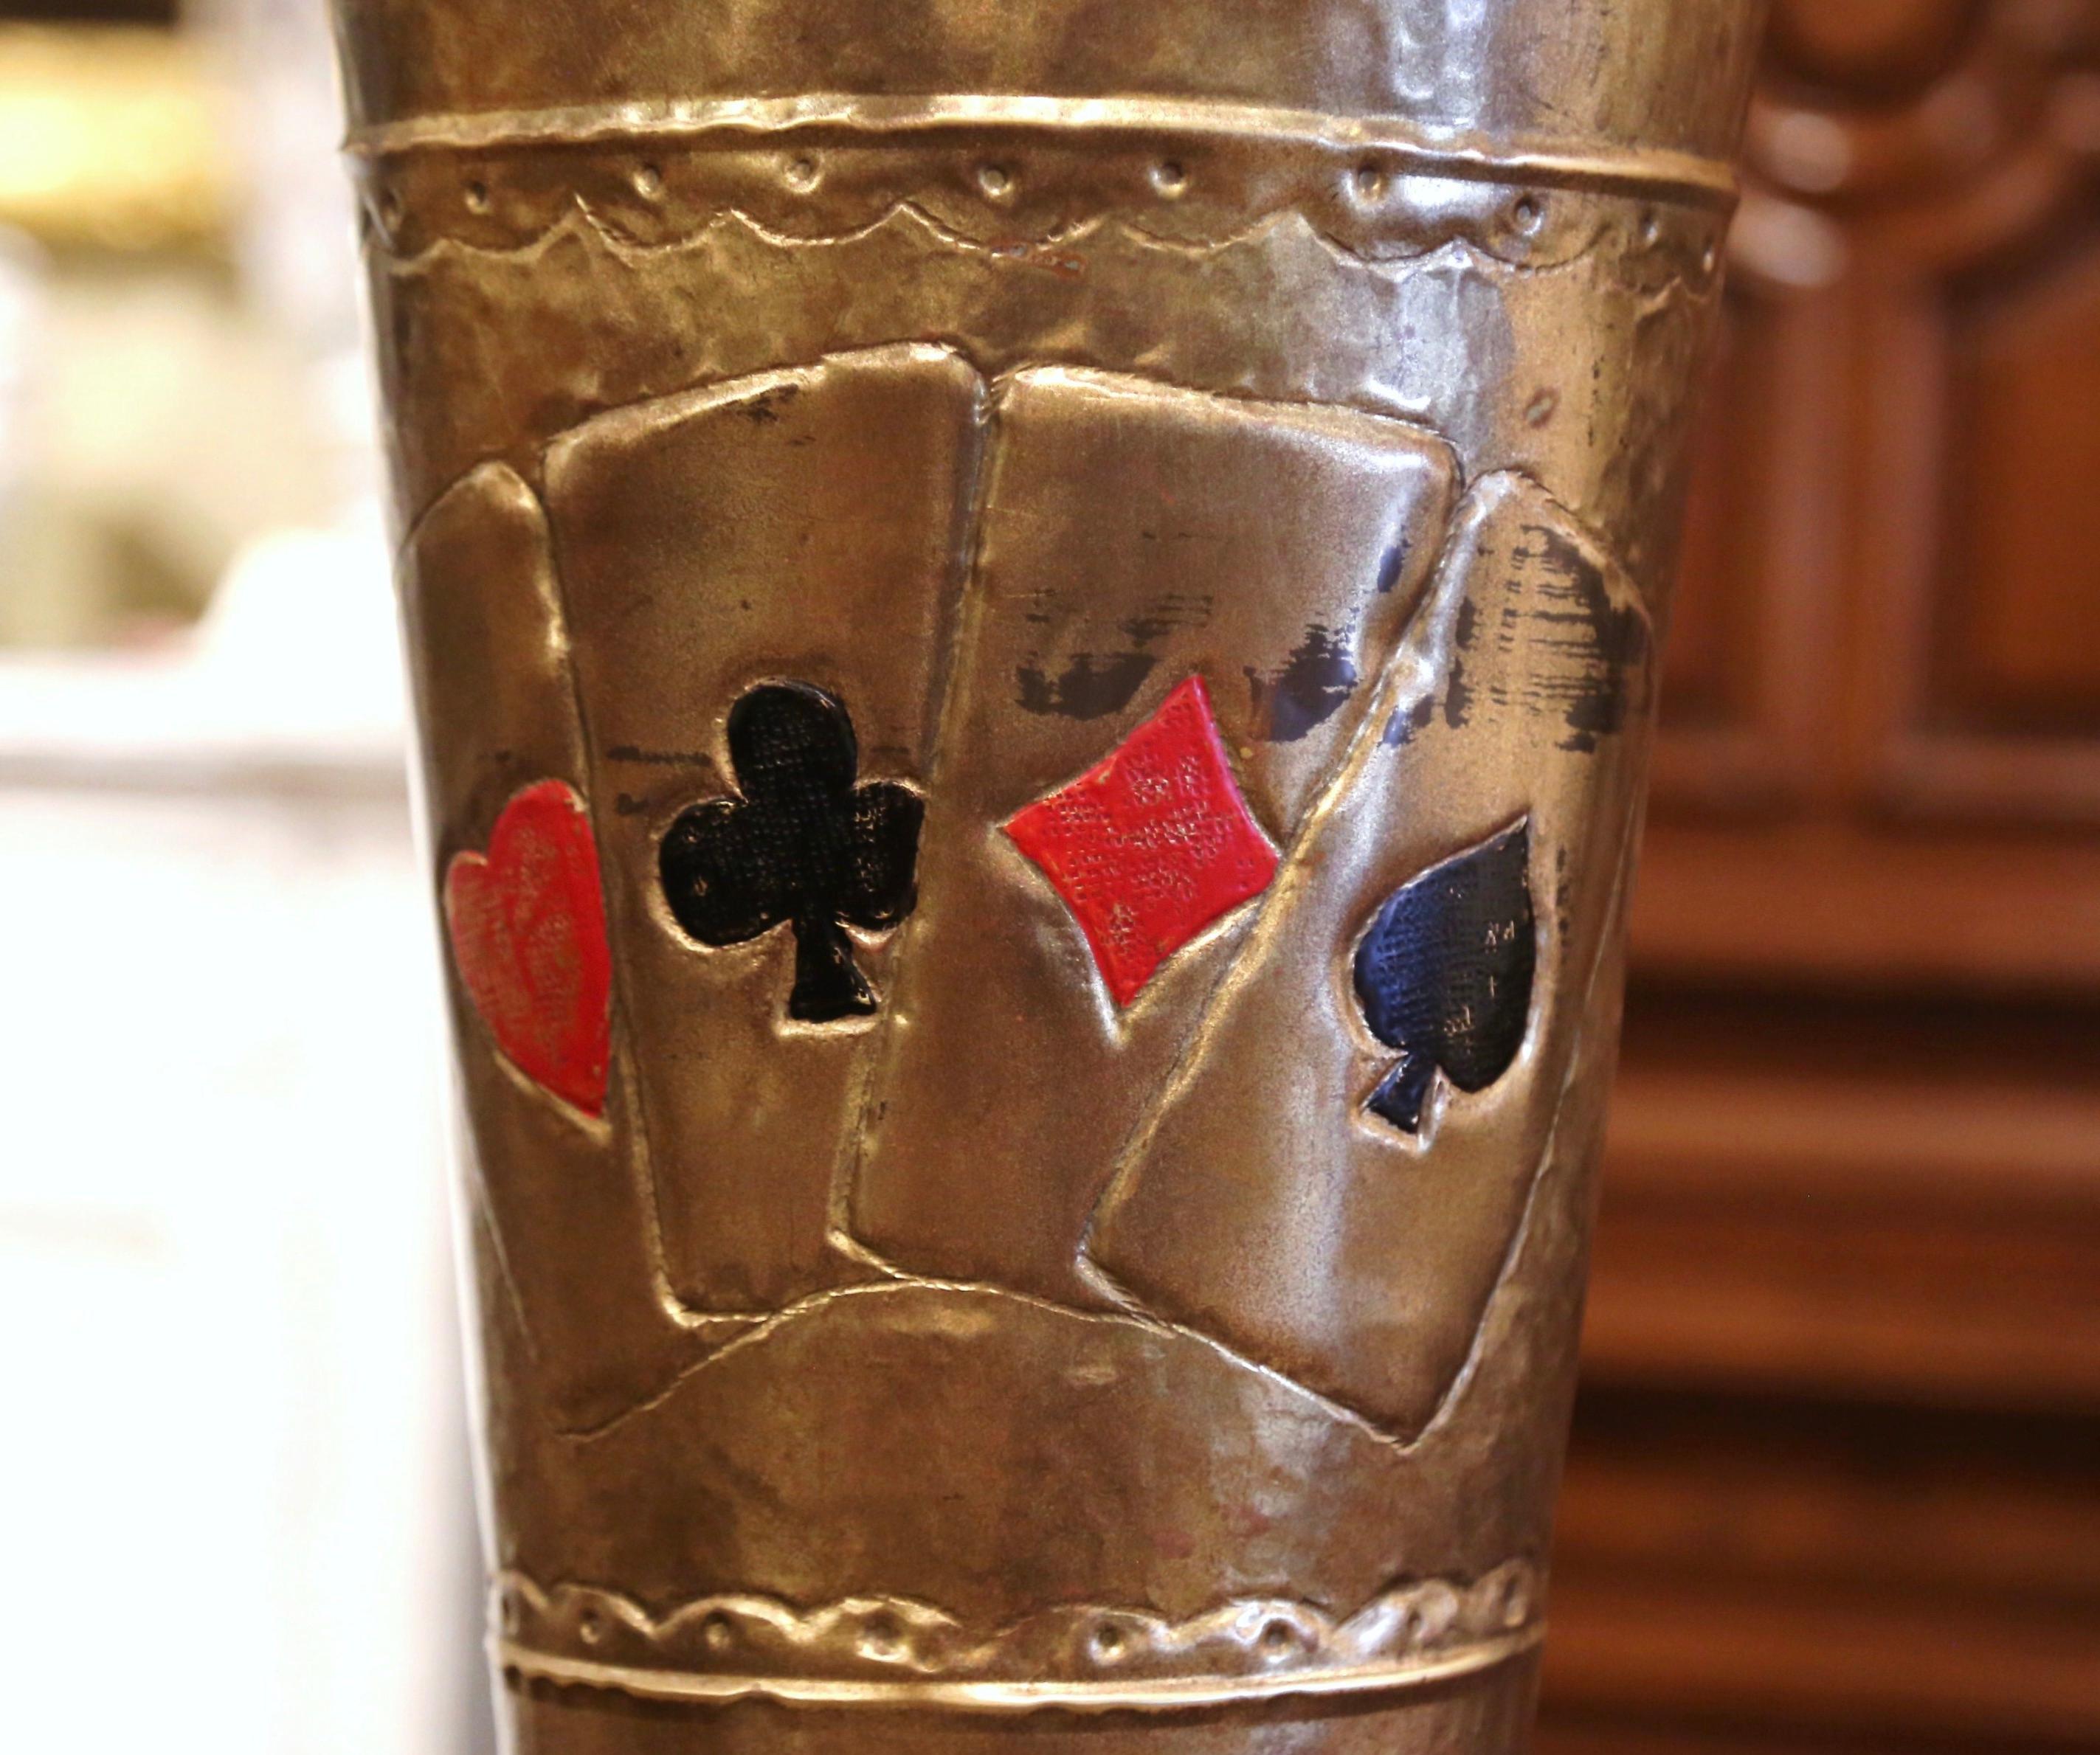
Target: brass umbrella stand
[1034, 628]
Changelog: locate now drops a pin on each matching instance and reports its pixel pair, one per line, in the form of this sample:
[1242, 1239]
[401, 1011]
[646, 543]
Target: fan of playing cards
[1182, 904]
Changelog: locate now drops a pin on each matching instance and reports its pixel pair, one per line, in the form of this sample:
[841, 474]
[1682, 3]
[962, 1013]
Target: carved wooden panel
[1748, 668]
[1831, 1489]
[2016, 651]
[1888, 635]
[1831, 1483]
[1870, 1578]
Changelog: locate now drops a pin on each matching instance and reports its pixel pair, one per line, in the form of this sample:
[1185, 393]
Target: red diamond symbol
[1153, 845]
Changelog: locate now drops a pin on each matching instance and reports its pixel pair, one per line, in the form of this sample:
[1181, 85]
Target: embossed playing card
[556, 1150]
[1329, 1181]
[1151, 693]
[800, 530]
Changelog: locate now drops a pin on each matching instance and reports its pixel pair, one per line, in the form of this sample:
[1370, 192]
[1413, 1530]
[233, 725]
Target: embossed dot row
[1376, 192]
[803, 172]
[1369, 184]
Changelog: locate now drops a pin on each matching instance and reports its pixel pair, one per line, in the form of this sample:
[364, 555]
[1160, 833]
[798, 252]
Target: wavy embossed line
[578, 220]
[888, 1650]
[737, 122]
[579, 210]
[579, 217]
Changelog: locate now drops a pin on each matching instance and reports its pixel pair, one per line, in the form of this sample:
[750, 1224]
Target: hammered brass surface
[1034, 1363]
[1576, 77]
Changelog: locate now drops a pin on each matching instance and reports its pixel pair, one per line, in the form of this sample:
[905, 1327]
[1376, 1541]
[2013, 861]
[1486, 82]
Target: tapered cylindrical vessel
[1035, 626]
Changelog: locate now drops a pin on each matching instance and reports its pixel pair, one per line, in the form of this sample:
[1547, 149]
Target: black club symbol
[804, 846]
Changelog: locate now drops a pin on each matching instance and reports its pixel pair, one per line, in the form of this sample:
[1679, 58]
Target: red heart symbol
[527, 926]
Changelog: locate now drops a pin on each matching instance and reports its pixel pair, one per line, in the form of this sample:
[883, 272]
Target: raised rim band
[1160, 1694]
[1400, 148]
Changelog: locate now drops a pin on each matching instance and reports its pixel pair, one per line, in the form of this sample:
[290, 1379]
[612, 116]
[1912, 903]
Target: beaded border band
[893, 1652]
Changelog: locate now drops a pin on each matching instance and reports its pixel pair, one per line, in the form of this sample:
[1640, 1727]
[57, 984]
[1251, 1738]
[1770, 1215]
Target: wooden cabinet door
[1835, 1483]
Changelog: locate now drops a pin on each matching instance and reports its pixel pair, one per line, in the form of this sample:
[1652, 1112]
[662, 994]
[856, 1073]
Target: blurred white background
[234, 1499]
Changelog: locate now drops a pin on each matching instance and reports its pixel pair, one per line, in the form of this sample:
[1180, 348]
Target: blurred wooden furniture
[1837, 1478]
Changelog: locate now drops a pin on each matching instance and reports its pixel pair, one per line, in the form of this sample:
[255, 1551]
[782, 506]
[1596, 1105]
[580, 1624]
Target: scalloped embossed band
[884, 1652]
[1068, 199]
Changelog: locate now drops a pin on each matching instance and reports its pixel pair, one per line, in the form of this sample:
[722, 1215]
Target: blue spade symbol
[1445, 974]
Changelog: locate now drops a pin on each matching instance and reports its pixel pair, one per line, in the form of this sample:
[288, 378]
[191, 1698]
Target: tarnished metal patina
[1035, 627]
